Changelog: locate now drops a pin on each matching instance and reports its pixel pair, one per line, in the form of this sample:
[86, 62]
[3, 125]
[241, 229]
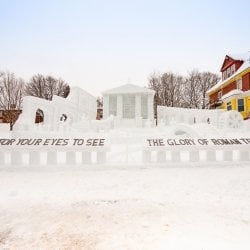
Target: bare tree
[174, 90]
[167, 88]
[191, 91]
[46, 86]
[11, 90]
[155, 84]
[208, 80]
[195, 88]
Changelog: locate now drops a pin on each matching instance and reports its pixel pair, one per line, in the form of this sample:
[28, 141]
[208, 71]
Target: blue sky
[99, 45]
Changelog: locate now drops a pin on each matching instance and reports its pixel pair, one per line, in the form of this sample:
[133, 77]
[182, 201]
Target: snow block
[227, 155]
[51, 157]
[16, 158]
[175, 156]
[244, 155]
[70, 157]
[2, 158]
[194, 156]
[161, 156]
[146, 156]
[101, 157]
[211, 155]
[86, 157]
[34, 158]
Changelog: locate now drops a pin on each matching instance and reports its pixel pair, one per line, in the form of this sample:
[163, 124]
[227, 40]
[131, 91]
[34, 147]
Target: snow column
[150, 107]
[119, 106]
[119, 109]
[138, 116]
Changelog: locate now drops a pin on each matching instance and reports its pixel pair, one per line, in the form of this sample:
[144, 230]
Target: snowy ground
[101, 207]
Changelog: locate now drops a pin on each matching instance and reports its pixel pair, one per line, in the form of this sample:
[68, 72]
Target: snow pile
[197, 207]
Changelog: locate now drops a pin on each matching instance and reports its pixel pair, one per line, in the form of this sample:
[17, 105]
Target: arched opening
[39, 116]
[63, 118]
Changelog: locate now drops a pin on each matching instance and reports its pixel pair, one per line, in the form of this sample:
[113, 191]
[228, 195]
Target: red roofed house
[232, 92]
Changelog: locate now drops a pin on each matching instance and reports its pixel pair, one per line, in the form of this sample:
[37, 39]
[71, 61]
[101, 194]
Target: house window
[239, 84]
[225, 75]
[229, 106]
[240, 105]
[219, 94]
[113, 105]
[228, 72]
[233, 69]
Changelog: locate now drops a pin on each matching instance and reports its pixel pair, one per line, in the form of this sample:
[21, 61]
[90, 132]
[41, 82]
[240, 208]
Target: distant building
[131, 106]
[232, 92]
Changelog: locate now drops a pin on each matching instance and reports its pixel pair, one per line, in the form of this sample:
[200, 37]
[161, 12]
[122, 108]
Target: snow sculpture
[170, 115]
[231, 119]
[58, 113]
[131, 106]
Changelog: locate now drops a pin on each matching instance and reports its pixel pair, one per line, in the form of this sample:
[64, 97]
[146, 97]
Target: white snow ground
[205, 207]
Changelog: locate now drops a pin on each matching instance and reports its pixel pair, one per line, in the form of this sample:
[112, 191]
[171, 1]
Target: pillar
[138, 106]
[150, 107]
[138, 115]
[119, 106]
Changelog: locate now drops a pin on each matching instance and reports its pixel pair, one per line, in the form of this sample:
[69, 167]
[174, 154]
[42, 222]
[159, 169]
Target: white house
[131, 106]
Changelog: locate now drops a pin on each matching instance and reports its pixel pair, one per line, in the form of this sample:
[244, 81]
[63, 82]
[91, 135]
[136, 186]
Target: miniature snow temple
[131, 106]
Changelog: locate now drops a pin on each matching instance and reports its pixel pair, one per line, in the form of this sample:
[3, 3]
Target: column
[119, 106]
[138, 106]
[138, 115]
[150, 107]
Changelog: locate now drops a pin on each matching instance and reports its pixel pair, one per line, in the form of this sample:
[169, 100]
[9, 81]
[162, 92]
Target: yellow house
[232, 92]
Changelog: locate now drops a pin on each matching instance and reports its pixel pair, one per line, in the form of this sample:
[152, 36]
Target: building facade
[232, 92]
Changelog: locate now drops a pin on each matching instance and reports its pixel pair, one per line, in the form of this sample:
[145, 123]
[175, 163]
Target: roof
[232, 93]
[246, 64]
[129, 89]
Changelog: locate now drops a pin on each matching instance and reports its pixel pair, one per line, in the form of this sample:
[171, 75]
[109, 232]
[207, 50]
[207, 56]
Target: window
[229, 106]
[225, 75]
[240, 105]
[129, 106]
[239, 84]
[228, 72]
[219, 94]
[113, 105]
[233, 69]
[144, 106]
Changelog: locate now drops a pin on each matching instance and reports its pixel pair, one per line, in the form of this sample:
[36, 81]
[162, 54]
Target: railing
[195, 154]
[52, 156]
